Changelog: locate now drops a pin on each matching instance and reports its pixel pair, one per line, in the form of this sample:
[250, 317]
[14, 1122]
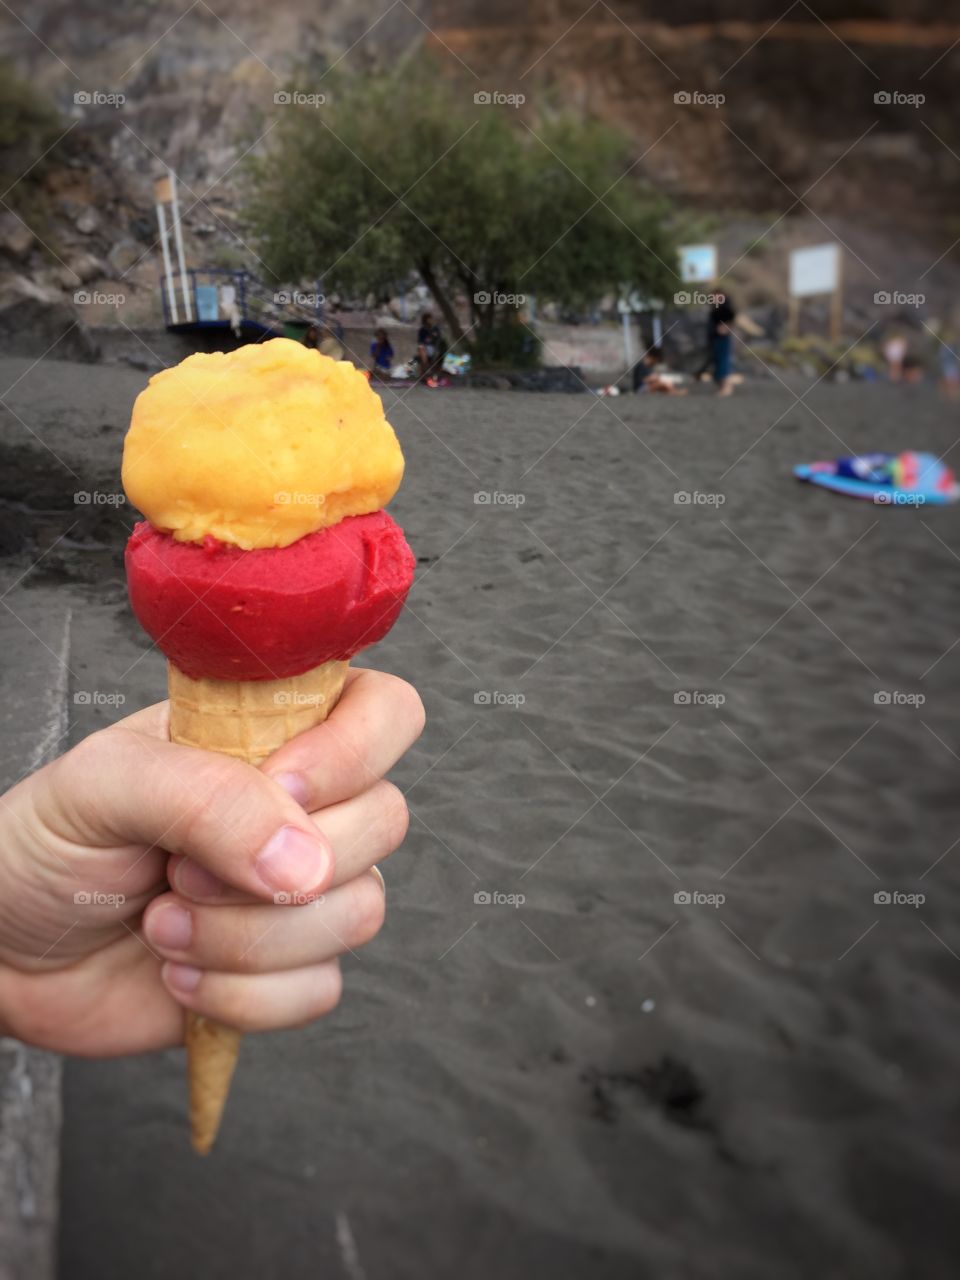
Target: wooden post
[178, 241]
[836, 302]
[167, 266]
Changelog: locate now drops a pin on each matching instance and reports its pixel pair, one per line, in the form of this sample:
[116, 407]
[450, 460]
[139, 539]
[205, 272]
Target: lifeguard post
[213, 298]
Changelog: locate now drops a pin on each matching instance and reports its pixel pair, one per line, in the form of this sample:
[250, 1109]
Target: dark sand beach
[548, 1064]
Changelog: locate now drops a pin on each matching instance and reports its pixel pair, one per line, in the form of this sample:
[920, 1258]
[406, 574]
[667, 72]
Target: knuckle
[77, 777]
[238, 949]
[95, 755]
[410, 706]
[321, 996]
[234, 1005]
[203, 823]
[395, 815]
[327, 991]
[368, 910]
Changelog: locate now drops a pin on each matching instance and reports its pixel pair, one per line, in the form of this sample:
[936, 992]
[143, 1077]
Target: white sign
[698, 263]
[814, 270]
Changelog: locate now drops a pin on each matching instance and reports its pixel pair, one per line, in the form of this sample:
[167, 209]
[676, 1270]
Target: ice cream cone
[248, 719]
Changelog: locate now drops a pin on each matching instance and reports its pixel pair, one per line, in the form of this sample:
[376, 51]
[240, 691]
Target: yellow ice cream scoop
[259, 447]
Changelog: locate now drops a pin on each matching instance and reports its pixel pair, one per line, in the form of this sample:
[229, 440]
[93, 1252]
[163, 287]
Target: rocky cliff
[829, 123]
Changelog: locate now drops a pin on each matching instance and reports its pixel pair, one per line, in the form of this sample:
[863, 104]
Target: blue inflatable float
[888, 479]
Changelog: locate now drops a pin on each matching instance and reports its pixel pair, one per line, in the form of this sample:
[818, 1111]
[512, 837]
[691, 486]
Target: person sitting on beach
[430, 348]
[649, 375]
[331, 341]
[895, 353]
[381, 355]
[949, 364]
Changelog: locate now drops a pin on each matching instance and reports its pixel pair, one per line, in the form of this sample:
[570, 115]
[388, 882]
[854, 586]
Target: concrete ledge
[33, 727]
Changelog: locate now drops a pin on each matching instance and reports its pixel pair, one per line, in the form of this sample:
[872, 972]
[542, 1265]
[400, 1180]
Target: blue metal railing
[254, 305]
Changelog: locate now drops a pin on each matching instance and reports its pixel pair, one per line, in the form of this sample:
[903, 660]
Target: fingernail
[171, 927]
[195, 881]
[295, 784]
[292, 859]
[383, 884]
[182, 977]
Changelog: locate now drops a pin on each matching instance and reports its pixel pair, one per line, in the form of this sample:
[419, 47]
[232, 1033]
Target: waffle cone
[247, 719]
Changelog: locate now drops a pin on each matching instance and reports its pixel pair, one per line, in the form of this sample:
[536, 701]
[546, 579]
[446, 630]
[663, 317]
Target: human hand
[140, 878]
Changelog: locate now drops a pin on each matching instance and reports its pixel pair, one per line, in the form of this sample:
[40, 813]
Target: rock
[143, 362]
[16, 238]
[489, 382]
[88, 221]
[123, 255]
[36, 321]
[84, 267]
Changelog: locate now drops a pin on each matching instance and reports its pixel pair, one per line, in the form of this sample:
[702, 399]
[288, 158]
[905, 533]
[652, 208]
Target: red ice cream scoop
[221, 613]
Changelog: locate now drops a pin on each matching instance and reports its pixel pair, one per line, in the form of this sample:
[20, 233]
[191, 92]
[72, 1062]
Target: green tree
[403, 172]
[29, 131]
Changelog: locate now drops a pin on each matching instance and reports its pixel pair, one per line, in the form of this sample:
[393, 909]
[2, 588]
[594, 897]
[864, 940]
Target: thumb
[121, 787]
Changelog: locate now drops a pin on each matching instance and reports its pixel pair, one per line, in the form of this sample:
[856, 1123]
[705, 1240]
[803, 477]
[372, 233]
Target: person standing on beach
[720, 321]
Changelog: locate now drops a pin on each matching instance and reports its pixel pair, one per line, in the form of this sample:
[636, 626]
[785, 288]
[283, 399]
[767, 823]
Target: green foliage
[402, 172]
[29, 127]
[508, 344]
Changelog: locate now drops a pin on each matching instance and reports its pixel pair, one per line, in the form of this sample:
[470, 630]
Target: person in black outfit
[430, 345]
[720, 321]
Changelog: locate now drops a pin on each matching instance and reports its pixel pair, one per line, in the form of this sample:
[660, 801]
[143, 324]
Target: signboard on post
[814, 272]
[165, 195]
[698, 263]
